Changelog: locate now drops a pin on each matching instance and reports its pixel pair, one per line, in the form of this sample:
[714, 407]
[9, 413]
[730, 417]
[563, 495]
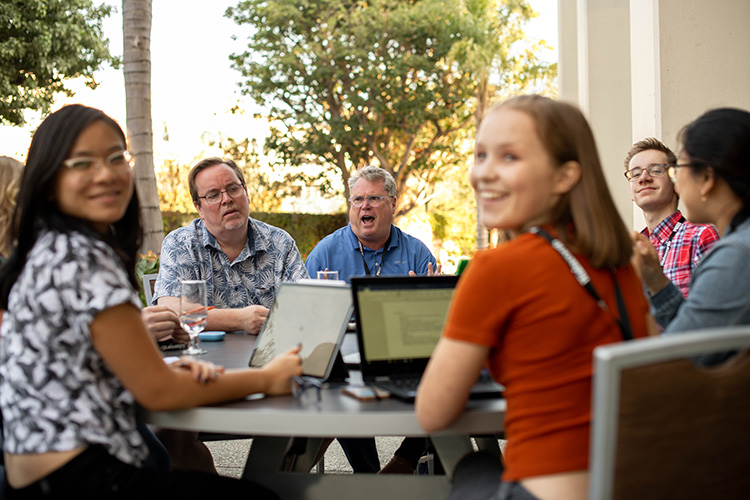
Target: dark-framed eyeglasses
[116, 162]
[306, 390]
[374, 201]
[654, 170]
[214, 197]
[672, 169]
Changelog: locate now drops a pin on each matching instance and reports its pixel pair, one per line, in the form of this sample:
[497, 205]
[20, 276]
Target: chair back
[148, 286]
[663, 427]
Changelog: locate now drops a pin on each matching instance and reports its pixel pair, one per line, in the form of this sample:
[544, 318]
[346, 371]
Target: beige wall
[599, 44]
[648, 67]
[705, 59]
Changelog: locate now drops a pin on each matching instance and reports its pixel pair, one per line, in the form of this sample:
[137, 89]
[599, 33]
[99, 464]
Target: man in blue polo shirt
[372, 245]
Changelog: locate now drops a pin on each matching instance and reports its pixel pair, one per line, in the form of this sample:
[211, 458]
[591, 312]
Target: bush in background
[306, 229]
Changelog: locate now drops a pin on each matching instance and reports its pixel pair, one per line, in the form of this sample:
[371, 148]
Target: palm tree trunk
[482, 103]
[136, 22]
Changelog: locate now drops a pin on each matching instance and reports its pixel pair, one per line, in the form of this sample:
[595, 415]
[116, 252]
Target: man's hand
[253, 318]
[430, 271]
[162, 323]
[645, 260]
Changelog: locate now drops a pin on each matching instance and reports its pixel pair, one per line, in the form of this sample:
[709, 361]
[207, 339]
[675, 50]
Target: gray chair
[149, 280]
[666, 428]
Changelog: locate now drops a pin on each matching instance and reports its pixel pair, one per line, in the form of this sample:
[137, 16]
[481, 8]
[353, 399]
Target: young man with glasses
[372, 245]
[680, 244]
[242, 260]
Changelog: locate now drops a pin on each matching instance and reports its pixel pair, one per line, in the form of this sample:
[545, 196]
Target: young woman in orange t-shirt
[520, 310]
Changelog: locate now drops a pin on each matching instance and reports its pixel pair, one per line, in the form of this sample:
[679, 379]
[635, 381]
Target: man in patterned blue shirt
[242, 260]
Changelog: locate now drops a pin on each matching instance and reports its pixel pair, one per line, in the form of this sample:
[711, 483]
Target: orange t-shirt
[541, 325]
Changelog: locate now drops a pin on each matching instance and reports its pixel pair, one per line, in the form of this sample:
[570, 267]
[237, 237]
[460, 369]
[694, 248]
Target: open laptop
[399, 321]
[313, 312]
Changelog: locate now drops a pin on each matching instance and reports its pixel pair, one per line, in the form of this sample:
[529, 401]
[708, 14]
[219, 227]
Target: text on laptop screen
[402, 323]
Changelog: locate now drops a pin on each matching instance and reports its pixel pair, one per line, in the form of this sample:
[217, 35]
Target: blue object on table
[211, 336]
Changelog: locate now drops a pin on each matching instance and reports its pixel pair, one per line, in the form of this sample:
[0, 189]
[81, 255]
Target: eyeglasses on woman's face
[118, 162]
[673, 169]
[654, 170]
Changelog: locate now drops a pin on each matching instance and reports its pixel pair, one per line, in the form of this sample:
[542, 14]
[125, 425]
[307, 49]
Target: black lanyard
[585, 281]
[668, 243]
[382, 260]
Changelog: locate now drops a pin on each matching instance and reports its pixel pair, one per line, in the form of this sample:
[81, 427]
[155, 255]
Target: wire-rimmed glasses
[373, 200]
[654, 170]
[214, 197]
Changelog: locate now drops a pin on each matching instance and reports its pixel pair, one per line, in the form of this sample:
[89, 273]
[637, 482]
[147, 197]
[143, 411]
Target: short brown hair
[203, 165]
[647, 144]
[597, 228]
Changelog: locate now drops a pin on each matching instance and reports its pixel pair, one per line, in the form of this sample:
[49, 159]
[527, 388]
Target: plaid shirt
[681, 245]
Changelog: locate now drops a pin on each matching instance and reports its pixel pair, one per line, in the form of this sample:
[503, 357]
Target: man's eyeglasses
[654, 170]
[306, 390]
[214, 197]
[116, 162]
[373, 200]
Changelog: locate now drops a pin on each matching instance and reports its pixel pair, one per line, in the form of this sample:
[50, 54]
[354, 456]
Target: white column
[600, 83]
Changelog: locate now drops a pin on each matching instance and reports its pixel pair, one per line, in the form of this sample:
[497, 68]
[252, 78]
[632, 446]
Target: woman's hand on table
[281, 369]
[202, 371]
[645, 260]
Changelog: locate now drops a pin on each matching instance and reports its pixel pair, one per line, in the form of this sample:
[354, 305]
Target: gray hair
[372, 173]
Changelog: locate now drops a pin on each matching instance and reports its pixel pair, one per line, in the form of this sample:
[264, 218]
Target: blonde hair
[10, 177]
[597, 228]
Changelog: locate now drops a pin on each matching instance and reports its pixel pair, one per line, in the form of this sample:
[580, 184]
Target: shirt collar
[256, 241]
[354, 242]
[665, 228]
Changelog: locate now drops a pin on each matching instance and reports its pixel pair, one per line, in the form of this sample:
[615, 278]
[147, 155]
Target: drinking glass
[328, 275]
[193, 312]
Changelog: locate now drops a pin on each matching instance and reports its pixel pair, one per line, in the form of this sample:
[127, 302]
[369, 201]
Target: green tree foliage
[42, 44]
[352, 82]
[393, 82]
[265, 189]
[174, 195]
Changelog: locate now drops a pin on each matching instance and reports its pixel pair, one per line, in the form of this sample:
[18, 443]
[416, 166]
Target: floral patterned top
[56, 392]
[192, 253]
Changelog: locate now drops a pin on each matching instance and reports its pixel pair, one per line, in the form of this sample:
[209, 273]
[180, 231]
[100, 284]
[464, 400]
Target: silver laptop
[314, 313]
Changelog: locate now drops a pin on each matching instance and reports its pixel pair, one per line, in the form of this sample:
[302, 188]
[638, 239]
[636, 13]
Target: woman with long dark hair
[75, 356]
[712, 177]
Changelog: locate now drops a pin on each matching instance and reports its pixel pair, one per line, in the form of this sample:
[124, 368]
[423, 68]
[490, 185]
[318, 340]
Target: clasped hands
[645, 261]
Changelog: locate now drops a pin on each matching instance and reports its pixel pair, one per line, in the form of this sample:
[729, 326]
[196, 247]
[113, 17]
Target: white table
[273, 421]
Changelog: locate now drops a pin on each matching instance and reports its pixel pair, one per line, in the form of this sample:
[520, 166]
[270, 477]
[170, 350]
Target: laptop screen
[399, 320]
[313, 313]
